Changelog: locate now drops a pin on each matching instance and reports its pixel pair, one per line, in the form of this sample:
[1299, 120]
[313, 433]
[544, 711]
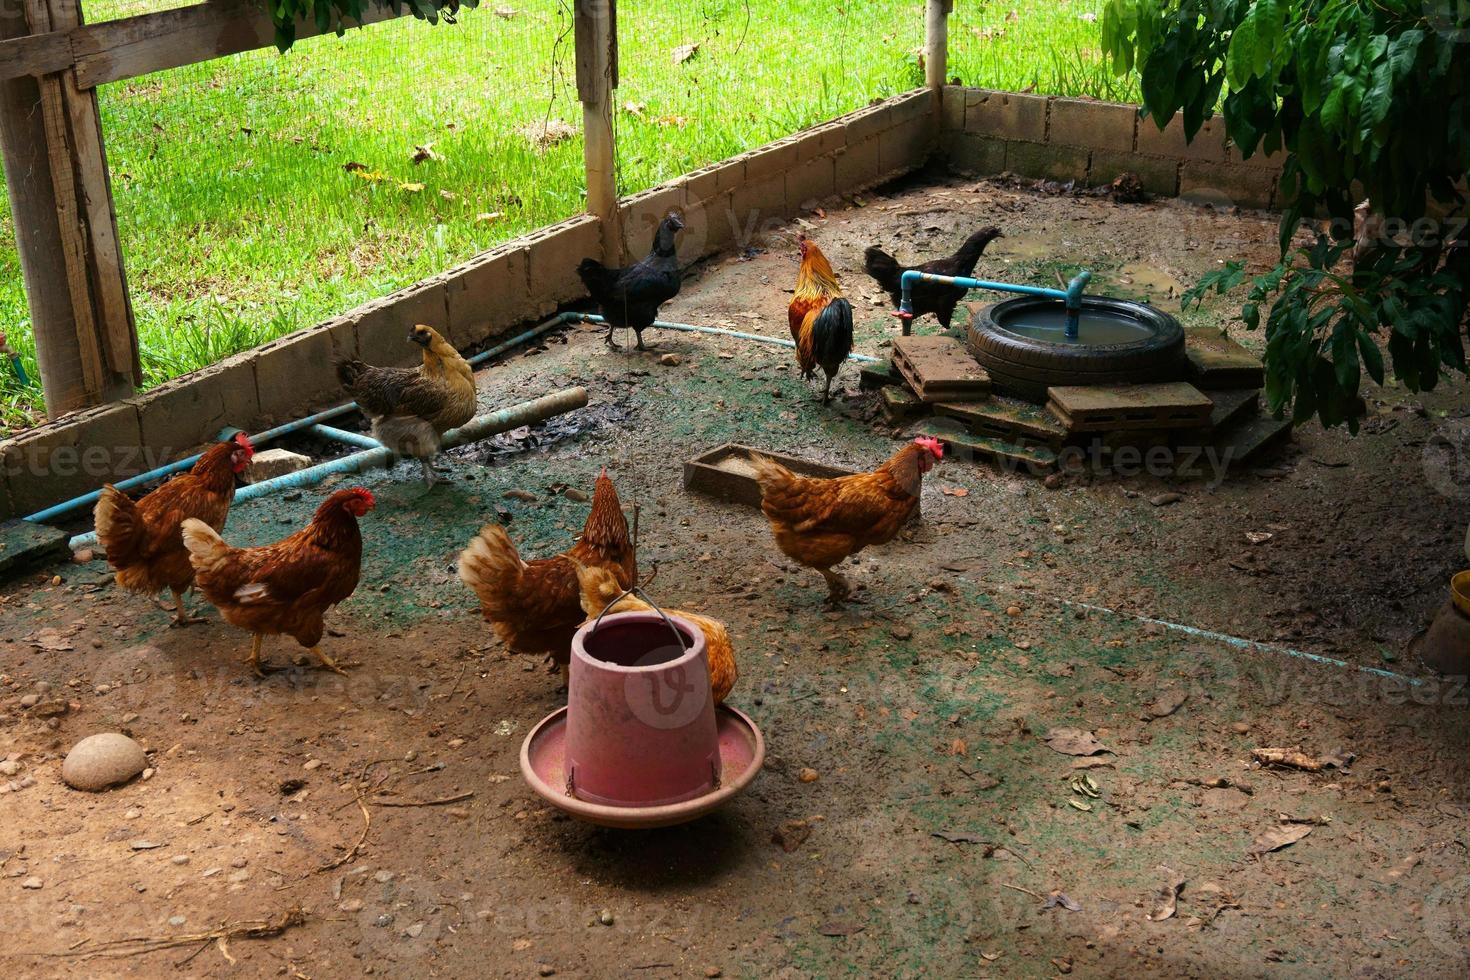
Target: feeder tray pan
[543, 764]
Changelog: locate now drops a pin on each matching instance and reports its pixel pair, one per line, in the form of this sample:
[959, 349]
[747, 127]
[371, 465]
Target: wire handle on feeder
[635, 590]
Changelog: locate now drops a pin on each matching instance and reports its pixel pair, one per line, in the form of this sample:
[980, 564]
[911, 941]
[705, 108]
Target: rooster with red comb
[141, 537]
[820, 523]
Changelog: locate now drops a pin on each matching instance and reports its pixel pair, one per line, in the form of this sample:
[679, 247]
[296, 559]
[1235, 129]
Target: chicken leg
[827, 391]
[838, 588]
[254, 660]
[182, 618]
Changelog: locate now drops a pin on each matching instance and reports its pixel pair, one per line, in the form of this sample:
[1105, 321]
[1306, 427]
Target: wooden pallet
[1089, 408]
[1007, 418]
[1233, 406]
[940, 368]
[1217, 362]
[1037, 460]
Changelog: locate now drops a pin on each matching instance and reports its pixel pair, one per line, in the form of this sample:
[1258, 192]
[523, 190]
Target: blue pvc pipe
[350, 438]
[289, 428]
[20, 371]
[1071, 296]
[721, 332]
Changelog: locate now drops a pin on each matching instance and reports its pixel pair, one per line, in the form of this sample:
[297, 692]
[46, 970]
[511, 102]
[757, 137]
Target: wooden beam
[595, 30]
[936, 43]
[66, 233]
[117, 50]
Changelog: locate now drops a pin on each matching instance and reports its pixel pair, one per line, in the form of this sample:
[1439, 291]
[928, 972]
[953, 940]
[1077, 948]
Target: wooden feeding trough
[726, 472]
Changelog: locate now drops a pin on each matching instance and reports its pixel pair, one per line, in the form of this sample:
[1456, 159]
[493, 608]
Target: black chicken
[631, 297]
[929, 297]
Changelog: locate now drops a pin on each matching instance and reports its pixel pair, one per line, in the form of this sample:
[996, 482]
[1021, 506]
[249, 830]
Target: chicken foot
[329, 663]
[254, 661]
[433, 475]
[181, 618]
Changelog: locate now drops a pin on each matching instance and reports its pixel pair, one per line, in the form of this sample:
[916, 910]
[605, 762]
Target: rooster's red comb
[243, 441]
[932, 444]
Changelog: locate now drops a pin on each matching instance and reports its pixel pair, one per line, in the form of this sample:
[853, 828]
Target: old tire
[1026, 366]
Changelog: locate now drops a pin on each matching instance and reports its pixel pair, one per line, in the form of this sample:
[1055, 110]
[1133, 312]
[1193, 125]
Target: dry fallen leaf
[791, 834]
[425, 153]
[1074, 741]
[1166, 704]
[411, 188]
[53, 640]
[684, 52]
[1165, 900]
[955, 492]
[487, 217]
[1056, 899]
[543, 136]
[352, 166]
[635, 108]
[506, 13]
[1277, 838]
[448, 195]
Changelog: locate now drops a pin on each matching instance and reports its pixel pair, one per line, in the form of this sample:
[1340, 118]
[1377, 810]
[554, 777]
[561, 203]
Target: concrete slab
[965, 446]
[1096, 125]
[1233, 406]
[1217, 362]
[24, 545]
[1009, 115]
[900, 404]
[1252, 439]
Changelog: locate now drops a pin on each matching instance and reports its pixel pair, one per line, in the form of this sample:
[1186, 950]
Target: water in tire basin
[1097, 327]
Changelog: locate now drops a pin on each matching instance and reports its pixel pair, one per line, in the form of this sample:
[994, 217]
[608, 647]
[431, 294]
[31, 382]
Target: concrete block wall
[725, 205]
[988, 132]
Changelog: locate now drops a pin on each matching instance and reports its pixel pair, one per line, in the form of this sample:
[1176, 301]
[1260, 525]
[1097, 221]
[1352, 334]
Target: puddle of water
[1149, 281]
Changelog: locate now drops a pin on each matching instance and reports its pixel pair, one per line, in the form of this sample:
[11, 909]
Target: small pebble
[383, 877]
[9, 768]
[32, 883]
[383, 920]
[414, 930]
[808, 776]
[1240, 728]
[455, 743]
[239, 862]
[351, 905]
[605, 917]
[180, 859]
[712, 972]
[312, 764]
[546, 970]
[30, 700]
[177, 920]
[237, 877]
[669, 360]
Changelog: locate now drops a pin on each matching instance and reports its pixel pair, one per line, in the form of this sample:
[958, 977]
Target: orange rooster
[601, 587]
[142, 537]
[286, 587]
[535, 607]
[821, 522]
[820, 319]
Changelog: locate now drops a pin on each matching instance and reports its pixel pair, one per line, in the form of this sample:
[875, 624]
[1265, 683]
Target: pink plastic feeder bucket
[640, 742]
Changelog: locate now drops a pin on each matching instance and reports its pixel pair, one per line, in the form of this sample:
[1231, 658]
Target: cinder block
[833, 136]
[383, 326]
[1226, 185]
[552, 257]
[971, 153]
[810, 182]
[74, 455]
[177, 417]
[1099, 125]
[1160, 175]
[954, 109]
[1208, 144]
[907, 146]
[859, 166]
[487, 295]
[7, 503]
[1009, 115]
[642, 214]
[755, 209]
[706, 229]
[771, 160]
[711, 181]
[1259, 160]
[917, 103]
[866, 124]
[297, 372]
[1047, 160]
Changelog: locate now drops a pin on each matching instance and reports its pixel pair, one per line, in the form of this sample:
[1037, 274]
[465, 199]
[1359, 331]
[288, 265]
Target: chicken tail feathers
[490, 564]
[883, 268]
[832, 334]
[350, 371]
[120, 528]
[769, 473]
[206, 548]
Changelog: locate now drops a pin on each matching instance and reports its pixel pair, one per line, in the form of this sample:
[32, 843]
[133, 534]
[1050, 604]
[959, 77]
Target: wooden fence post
[936, 45]
[596, 33]
[65, 227]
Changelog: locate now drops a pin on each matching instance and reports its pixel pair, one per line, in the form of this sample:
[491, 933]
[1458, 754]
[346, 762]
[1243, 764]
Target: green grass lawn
[241, 220]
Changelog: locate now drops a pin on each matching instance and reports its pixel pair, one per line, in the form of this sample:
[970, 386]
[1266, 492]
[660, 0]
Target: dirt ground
[943, 834]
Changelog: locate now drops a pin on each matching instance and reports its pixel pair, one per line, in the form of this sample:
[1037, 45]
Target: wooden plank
[596, 55]
[1094, 408]
[1038, 460]
[940, 368]
[69, 218]
[1007, 418]
[116, 50]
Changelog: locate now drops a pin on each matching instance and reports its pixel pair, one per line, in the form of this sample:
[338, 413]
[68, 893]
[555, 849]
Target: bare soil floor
[942, 833]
